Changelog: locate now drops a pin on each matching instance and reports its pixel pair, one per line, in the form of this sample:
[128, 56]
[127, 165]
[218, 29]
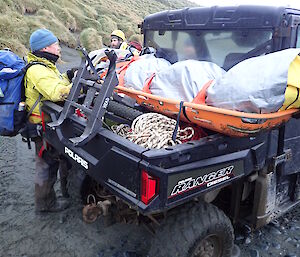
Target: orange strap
[200, 97]
[123, 70]
[127, 63]
[147, 84]
[118, 66]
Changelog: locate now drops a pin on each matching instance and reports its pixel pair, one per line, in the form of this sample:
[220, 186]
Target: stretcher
[231, 123]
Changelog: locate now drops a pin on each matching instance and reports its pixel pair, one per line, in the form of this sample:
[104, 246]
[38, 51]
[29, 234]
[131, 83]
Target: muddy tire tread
[180, 232]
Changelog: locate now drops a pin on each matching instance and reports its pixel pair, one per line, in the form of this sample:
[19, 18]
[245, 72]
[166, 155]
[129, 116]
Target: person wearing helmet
[118, 40]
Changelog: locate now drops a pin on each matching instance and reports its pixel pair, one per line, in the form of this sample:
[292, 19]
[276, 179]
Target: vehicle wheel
[123, 111]
[201, 230]
[78, 184]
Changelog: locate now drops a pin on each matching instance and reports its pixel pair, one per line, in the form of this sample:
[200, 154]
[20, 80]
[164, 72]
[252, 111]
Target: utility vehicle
[193, 194]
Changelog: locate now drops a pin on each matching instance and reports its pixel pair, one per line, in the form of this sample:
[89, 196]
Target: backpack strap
[25, 69]
[35, 104]
[28, 65]
[26, 130]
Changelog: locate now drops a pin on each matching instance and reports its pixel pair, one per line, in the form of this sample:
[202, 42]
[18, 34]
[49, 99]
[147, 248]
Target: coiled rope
[153, 130]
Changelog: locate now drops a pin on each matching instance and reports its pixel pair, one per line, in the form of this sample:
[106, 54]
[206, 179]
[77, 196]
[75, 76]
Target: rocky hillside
[91, 21]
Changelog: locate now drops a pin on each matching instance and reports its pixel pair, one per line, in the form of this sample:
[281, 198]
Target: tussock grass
[69, 19]
[136, 37]
[91, 39]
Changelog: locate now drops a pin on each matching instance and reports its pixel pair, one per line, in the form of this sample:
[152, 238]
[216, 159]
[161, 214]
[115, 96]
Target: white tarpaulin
[183, 80]
[97, 56]
[140, 70]
[256, 85]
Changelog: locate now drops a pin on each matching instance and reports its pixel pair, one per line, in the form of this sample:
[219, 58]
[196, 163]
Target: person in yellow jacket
[43, 82]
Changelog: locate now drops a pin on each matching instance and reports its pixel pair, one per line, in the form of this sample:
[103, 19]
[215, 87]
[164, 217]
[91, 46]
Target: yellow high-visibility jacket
[125, 46]
[45, 80]
[292, 92]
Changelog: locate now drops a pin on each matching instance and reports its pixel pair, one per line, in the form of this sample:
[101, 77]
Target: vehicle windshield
[223, 47]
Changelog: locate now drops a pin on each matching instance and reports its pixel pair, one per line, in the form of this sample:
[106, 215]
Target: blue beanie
[41, 38]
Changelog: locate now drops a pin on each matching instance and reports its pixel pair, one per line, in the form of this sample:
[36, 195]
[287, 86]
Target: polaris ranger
[190, 195]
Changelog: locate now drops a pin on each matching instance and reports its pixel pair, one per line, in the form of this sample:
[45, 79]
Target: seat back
[231, 60]
[168, 54]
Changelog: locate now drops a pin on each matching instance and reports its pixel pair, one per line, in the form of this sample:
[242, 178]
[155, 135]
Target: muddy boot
[41, 197]
[45, 199]
[46, 165]
[59, 205]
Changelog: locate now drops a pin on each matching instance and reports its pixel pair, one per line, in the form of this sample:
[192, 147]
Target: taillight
[149, 187]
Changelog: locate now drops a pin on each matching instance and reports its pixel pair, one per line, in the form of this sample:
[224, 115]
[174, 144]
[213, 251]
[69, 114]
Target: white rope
[153, 130]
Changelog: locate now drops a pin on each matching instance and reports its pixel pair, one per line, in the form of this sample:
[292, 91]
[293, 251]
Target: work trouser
[46, 167]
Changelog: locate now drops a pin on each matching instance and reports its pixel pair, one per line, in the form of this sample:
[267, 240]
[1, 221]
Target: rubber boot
[41, 197]
[45, 199]
[46, 165]
[59, 205]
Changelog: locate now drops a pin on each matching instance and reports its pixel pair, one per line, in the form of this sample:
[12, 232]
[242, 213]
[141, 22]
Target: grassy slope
[68, 18]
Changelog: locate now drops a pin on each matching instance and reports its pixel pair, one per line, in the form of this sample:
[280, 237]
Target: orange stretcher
[232, 123]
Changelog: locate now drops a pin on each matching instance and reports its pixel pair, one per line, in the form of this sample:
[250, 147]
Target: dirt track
[22, 233]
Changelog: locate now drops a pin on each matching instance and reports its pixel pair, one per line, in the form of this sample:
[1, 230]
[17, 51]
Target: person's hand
[71, 73]
[64, 92]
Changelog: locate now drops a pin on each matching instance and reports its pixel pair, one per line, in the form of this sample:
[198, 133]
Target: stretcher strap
[121, 66]
[177, 121]
[123, 70]
[200, 97]
[134, 58]
[147, 84]
[185, 114]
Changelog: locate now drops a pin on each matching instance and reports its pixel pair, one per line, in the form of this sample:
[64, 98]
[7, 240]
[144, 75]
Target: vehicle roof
[247, 16]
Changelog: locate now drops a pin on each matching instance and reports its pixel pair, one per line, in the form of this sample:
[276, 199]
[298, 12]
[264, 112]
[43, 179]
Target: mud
[23, 233]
